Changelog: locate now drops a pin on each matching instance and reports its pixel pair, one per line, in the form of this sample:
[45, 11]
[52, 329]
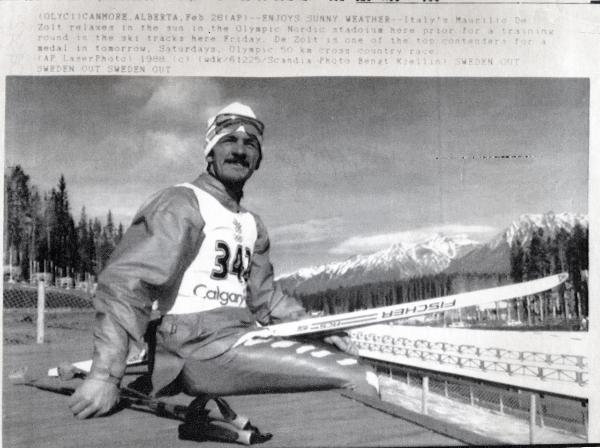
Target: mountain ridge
[396, 262]
[440, 253]
[494, 257]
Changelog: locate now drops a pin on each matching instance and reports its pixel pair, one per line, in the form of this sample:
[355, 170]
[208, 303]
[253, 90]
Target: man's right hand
[93, 398]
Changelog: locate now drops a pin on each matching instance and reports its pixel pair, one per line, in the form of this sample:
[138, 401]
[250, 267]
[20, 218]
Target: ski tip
[562, 277]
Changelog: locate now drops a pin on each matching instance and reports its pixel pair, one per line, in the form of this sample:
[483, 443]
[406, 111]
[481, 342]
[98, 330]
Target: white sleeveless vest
[218, 275]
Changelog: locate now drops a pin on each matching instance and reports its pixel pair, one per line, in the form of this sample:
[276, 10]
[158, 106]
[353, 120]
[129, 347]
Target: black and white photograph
[307, 261]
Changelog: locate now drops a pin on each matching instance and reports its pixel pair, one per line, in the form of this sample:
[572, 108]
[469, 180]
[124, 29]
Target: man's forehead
[239, 134]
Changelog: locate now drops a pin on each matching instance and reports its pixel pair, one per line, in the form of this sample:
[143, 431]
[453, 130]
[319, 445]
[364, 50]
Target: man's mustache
[242, 160]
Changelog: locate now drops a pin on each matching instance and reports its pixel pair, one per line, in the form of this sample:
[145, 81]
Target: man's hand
[343, 342]
[93, 398]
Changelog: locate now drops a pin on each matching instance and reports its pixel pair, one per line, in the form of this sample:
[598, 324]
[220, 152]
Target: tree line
[541, 256]
[551, 254]
[373, 295]
[41, 234]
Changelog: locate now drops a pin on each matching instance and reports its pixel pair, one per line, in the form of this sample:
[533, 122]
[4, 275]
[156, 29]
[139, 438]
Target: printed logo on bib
[224, 297]
[240, 266]
[237, 227]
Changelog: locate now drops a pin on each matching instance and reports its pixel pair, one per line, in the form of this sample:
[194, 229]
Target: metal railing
[544, 417]
[544, 366]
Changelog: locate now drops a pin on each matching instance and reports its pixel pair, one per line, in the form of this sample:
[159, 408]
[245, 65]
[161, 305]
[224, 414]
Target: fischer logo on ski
[424, 308]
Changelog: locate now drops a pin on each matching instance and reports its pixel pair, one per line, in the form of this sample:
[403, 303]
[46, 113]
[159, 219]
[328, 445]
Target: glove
[93, 398]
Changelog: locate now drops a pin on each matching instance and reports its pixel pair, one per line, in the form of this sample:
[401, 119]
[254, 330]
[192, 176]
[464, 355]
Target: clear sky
[351, 165]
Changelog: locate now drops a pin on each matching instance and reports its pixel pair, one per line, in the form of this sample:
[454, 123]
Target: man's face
[234, 158]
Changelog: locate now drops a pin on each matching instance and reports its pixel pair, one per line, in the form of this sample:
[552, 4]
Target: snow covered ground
[503, 427]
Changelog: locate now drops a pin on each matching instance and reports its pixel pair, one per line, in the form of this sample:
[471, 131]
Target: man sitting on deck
[204, 259]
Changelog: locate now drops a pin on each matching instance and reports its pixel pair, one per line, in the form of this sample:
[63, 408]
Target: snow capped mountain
[399, 261]
[453, 255]
[550, 223]
[494, 257]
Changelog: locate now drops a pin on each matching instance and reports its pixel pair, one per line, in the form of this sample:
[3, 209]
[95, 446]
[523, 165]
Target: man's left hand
[343, 342]
[93, 398]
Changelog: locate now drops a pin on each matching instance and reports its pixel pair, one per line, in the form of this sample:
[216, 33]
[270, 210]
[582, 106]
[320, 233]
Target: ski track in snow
[506, 428]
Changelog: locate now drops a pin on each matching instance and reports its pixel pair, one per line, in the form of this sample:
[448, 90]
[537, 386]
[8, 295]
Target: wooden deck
[35, 418]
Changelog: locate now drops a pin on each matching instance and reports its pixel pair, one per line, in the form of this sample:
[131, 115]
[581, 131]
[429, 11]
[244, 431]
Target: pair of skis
[339, 322]
[345, 321]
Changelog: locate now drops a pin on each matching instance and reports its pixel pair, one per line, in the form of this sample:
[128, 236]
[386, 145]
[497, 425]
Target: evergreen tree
[109, 229]
[553, 255]
[72, 260]
[97, 232]
[120, 233]
[61, 229]
[91, 247]
[546, 254]
[562, 238]
[37, 231]
[534, 256]
[19, 223]
[577, 261]
[517, 260]
[85, 261]
[580, 248]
